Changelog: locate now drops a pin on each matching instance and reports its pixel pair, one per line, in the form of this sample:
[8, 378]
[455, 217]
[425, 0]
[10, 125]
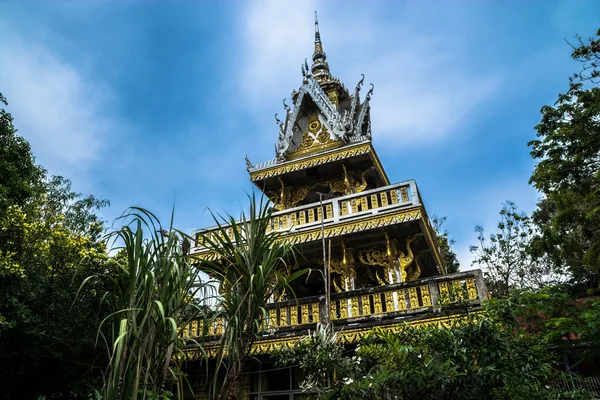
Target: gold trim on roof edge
[319, 159]
[345, 336]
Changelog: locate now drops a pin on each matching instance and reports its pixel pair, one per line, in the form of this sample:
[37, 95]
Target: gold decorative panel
[315, 138]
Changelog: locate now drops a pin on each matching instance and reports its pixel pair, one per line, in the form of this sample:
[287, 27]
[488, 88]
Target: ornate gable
[324, 102]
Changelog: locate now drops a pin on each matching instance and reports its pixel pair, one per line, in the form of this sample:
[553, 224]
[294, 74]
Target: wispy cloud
[60, 111]
[424, 91]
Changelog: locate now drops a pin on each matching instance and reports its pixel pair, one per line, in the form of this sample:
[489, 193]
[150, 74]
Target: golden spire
[320, 68]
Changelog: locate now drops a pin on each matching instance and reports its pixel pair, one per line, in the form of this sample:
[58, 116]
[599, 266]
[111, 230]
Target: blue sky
[156, 103]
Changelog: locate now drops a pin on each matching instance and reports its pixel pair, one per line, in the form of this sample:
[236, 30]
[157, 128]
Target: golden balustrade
[384, 199]
[373, 200]
[382, 302]
[457, 290]
[278, 316]
[392, 301]
[300, 216]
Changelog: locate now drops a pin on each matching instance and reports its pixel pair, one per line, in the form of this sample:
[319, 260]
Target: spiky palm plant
[153, 297]
[252, 264]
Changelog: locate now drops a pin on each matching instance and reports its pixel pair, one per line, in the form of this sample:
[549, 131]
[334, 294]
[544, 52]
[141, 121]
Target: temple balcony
[353, 313]
[397, 206]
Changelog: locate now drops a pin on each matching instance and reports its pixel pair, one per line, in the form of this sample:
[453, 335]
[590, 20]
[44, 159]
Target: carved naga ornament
[289, 196]
[396, 264]
[346, 270]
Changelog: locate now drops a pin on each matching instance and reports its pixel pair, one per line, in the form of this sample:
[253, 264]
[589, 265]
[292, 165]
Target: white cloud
[424, 90]
[275, 39]
[62, 113]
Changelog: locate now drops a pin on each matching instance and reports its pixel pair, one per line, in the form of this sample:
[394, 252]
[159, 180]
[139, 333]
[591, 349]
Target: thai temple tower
[335, 202]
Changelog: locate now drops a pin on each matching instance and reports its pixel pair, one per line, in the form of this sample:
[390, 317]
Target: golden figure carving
[349, 184]
[362, 184]
[289, 197]
[345, 268]
[343, 309]
[406, 259]
[333, 96]
[414, 272]
[375, 257]
[299, 195]
[273, 318]
[281, 200]
[328, 211]
[401, 299]
[283, 317]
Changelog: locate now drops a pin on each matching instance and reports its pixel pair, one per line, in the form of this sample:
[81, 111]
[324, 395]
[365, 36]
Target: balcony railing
[395, 301]
[375, 201]
[590, 385]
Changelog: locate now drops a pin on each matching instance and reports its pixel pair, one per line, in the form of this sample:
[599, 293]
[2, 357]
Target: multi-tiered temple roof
[328, 185]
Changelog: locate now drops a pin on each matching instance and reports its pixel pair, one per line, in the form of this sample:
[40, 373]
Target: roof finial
[320, 68]
[317, 34]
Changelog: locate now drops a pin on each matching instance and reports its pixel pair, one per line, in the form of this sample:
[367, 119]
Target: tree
[476, 357]
[20, 178]
[568, 325]
[322, 359]
[48, 245]
[252, 265]
[568, 171]
[46, 341]
[151, 298]
[448, 255]
[505, 259]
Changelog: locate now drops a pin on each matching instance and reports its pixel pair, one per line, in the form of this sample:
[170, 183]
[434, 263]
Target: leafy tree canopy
[49, 242]
[478, 357]
[505, 257]
[568, 170]
[19, 176]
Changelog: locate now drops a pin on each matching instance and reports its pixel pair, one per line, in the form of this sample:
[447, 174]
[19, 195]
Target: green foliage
[564, 322]
[320, 357]
[48, 245]
[47, 345]
[151, 298]
[476, 357]
[449, 258]
[19, 176]
[568, 171]
[252, 265]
